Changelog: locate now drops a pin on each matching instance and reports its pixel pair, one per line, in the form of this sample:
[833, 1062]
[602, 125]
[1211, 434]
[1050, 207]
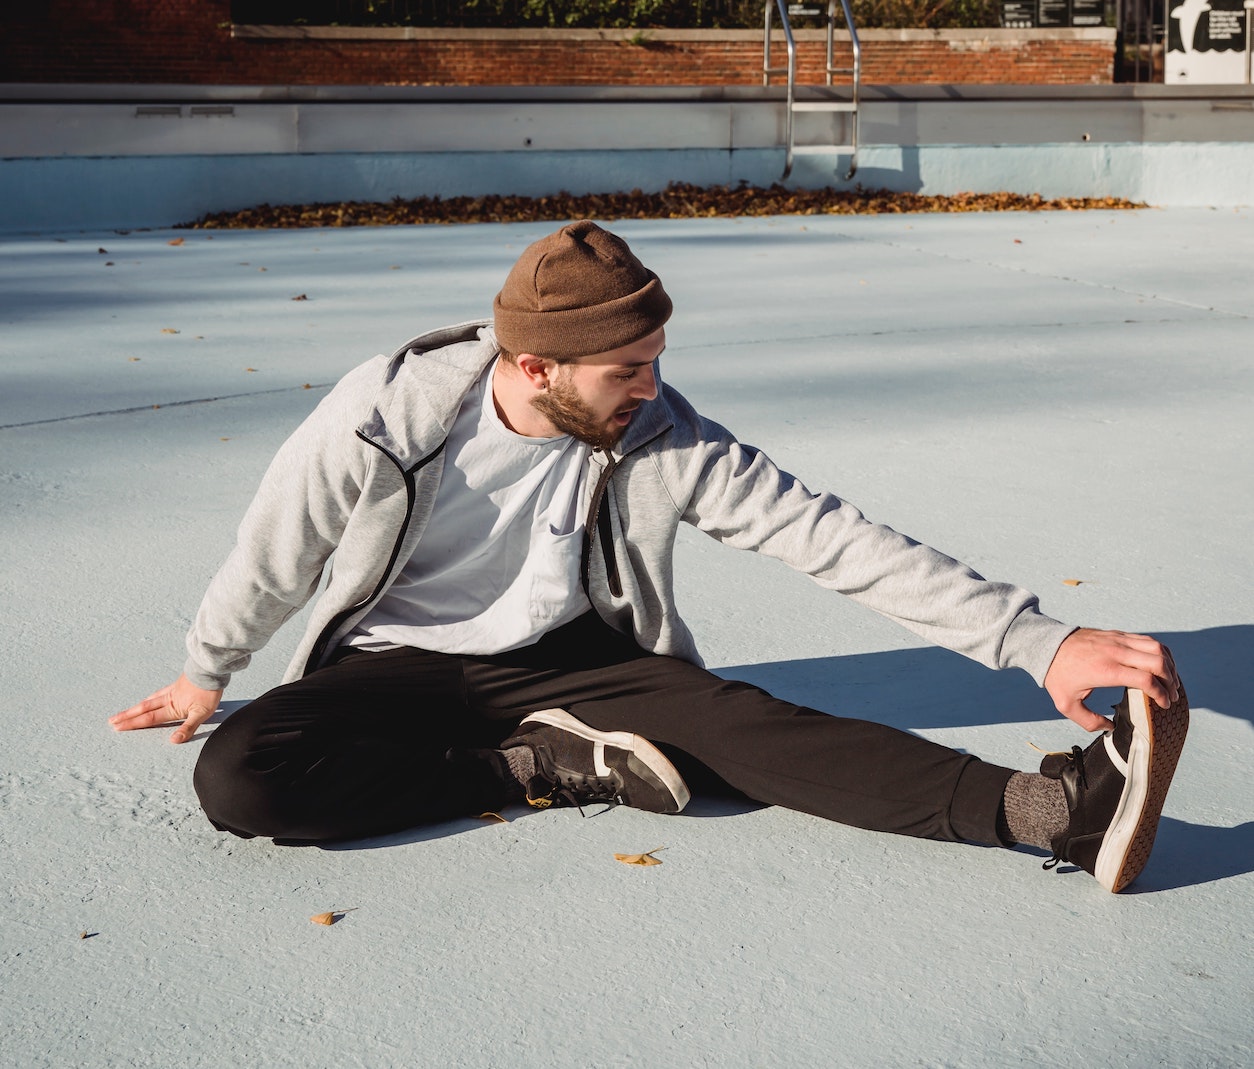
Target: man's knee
[231, 793]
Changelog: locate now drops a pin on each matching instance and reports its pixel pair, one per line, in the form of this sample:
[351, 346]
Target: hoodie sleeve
[289, 531]
[738, 496]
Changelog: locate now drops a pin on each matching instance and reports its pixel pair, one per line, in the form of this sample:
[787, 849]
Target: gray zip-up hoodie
[358, 480]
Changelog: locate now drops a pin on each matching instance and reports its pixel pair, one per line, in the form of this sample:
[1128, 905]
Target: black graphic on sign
[1207, 26]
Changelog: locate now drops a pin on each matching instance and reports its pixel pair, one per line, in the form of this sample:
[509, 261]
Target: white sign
[1206, 42]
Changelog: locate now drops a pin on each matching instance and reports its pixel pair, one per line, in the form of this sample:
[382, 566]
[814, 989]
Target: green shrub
[602, 14]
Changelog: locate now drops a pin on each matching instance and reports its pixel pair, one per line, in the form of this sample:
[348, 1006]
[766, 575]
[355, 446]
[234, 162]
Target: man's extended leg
[1097, 807]
[853, 771]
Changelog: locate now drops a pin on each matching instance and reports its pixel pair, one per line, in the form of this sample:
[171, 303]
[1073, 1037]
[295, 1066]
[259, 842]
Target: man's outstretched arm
[1088, 659]
[182, 701]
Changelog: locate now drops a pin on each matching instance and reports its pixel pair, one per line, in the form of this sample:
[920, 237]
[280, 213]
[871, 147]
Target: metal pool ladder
[829, 102]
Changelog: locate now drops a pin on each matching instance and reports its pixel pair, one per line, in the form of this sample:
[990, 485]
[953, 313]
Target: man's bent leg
[356, 748]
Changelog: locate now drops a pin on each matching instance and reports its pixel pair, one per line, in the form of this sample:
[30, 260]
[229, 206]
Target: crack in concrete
[164, 404]
[935, 329]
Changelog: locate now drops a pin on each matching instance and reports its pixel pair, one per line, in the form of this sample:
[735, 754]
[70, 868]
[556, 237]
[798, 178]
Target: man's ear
[537, 370]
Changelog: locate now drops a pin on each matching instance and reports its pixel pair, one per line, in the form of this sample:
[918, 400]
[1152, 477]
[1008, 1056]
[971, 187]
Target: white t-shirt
[498, 563]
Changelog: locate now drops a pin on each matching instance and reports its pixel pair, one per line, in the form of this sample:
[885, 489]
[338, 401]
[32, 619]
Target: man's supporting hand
[1088, 659]
[181, 700]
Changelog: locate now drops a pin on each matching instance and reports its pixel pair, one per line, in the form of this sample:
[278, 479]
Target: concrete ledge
[230, 124]
[1241, 96]
[648, 36]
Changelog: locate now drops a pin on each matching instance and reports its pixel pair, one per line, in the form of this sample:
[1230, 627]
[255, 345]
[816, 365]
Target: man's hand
[181, 700]
[1088, 659]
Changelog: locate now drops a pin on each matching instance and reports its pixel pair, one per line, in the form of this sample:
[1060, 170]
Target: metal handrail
[856, 47]
[791, 72]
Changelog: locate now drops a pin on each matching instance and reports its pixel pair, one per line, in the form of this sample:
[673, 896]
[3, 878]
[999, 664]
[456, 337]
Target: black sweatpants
[362, 746]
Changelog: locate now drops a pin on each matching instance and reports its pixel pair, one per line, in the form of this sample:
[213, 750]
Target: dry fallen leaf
[133, 359]
[646, 858]
[168, 330]
[331, 916]
[300, 297]
[108, 263]
[493, 816]
[103, 249]
[307, 386]
[175, 241]
[1071, 582]
[250, 369]
[224, 439]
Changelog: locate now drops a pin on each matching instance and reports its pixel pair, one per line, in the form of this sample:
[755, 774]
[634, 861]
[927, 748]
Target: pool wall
[89, 157]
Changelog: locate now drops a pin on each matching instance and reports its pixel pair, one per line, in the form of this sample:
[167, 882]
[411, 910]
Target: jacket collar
[426, 380]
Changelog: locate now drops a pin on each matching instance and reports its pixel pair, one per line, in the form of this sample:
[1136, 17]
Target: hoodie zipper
[604, 525]
[605, 531]
[319, 647]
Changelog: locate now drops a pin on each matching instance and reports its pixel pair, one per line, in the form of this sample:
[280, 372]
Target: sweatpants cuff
[977, 802]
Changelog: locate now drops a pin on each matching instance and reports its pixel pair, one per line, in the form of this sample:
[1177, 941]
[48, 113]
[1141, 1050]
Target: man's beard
[571, 414]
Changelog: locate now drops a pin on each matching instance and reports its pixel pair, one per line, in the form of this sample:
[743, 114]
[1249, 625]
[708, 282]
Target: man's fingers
[1161, 684]
[1086, 718]
[196, 715]
[181, 700]
[1152, 657]
[146, 713]
[1160, 693]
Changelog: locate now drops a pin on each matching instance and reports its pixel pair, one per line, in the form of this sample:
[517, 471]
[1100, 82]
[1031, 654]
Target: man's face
[594, 397]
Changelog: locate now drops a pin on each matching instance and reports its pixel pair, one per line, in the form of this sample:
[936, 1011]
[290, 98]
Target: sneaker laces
[575, 791]
[1076, 757]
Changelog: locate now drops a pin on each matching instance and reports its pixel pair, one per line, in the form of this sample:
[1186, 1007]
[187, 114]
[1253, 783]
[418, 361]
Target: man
[498, 621]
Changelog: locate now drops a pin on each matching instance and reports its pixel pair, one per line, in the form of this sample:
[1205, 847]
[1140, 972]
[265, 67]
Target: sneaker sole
[645, 753]
[1157, 740]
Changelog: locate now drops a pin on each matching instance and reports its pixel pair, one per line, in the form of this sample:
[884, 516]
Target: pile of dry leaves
[677, 201]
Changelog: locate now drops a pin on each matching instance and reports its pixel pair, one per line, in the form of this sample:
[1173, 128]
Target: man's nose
[646, 383]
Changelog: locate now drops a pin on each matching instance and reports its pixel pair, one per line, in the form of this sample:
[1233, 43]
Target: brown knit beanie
[578, 292]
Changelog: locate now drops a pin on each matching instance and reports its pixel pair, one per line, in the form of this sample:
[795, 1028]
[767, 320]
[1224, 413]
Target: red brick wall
[192, 42]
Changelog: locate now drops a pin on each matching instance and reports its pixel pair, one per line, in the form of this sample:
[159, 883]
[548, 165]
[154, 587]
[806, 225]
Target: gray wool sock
[522, 765]
[1034, 810]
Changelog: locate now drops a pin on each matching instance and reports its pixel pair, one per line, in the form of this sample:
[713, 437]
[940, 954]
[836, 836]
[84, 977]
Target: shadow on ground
[933, 688]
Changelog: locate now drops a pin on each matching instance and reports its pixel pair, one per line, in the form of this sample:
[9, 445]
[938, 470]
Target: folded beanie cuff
[573, 332]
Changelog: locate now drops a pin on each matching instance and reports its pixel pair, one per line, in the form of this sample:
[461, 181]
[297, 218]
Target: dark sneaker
[576, 764]
[1116, 788]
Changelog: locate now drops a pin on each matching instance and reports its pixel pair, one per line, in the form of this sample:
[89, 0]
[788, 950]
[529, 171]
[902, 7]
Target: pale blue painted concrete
[1045, 395]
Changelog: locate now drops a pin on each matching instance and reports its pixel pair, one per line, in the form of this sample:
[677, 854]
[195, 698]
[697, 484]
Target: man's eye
[630, 375]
